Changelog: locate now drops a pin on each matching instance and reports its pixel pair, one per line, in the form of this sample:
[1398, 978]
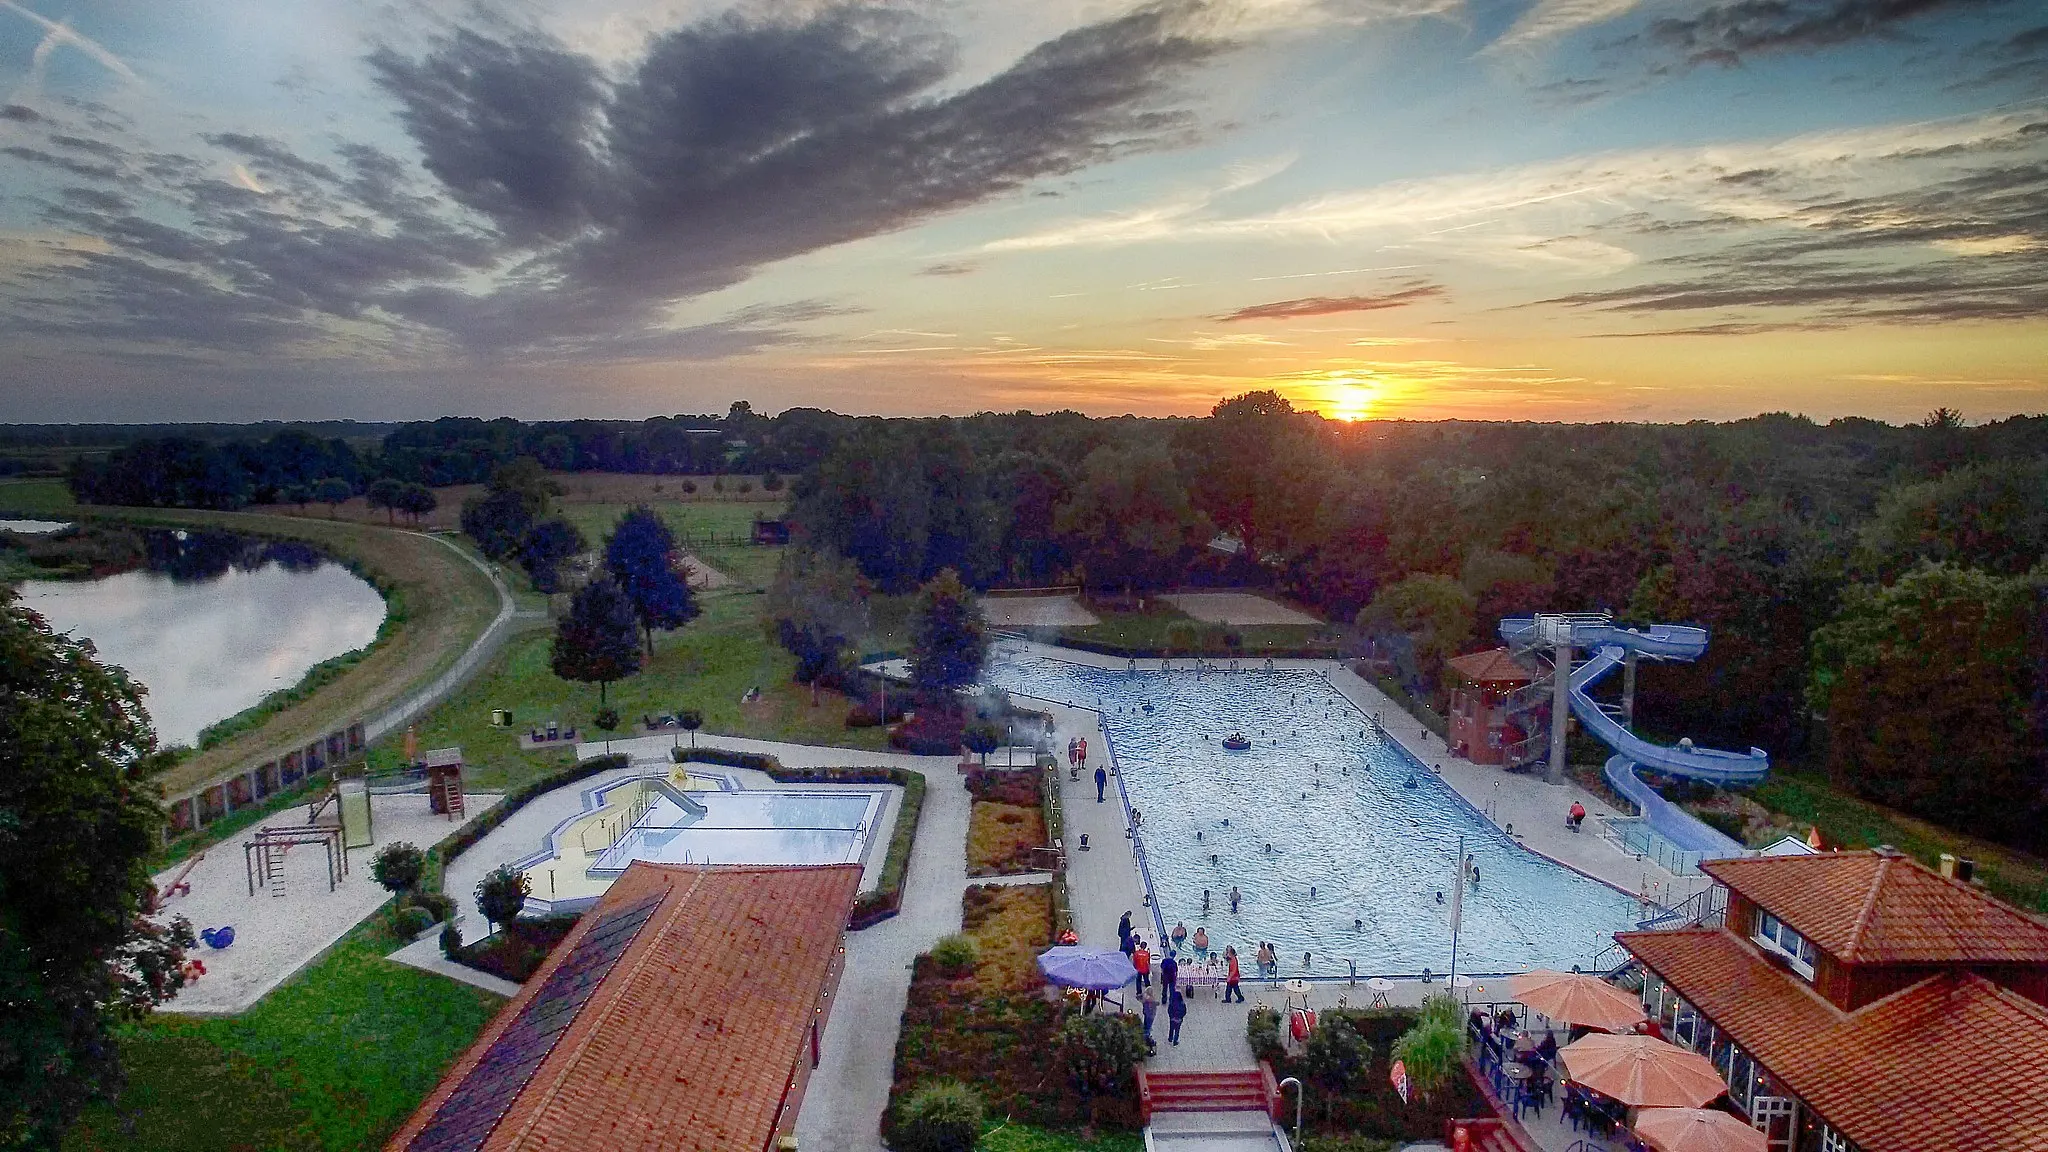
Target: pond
[33, 527]
[212, 623]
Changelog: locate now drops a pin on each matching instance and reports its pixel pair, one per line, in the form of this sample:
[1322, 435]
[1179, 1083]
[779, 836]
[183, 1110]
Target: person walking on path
[1176, 1011]
[1230, 976]
[1123, 934]
[1142, 961]
[1151, 1009]
[1169, 972]
[1101, 782]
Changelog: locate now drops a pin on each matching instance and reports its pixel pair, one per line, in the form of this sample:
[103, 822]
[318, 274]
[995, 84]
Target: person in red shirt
[1142, 961]
[1230, 989]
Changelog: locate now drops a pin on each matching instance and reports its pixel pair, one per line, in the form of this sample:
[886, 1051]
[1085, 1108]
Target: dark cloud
[1332, 305]
[564, 209]
[20, 114]
[1727, 33]
[955, 268]
[737, 142]
[76, 167]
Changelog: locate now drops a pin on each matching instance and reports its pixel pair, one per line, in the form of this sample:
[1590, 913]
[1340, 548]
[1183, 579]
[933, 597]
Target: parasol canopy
[1696, 1130]
[1578, 999]
[1642, 1071]
[1072, 966]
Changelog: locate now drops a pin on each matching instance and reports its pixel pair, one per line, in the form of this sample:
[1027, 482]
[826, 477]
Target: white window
[1776, 936]
[1833, 1141]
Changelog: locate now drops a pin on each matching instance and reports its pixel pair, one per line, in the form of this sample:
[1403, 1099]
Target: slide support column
[1560, 702]
[1628, 691]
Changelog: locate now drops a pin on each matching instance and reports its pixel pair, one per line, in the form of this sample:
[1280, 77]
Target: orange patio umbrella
[1578, 999]
[1642, 1071]
[1696, 1130]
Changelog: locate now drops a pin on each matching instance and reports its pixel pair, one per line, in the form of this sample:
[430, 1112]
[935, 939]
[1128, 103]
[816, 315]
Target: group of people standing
[1133, 946]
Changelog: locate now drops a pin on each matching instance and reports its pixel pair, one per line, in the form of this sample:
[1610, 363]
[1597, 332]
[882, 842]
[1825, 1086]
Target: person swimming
[1201, 940]
[1205, 901]
[1357, 924]
[1234, 898]
[1311, 891]
[1180, 932]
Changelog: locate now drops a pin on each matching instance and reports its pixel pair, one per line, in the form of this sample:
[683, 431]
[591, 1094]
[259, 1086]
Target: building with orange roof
[1861, 1002]
[1481, 685]
[684, 1012]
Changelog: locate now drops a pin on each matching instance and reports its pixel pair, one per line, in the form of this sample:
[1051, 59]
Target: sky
[1569, 210]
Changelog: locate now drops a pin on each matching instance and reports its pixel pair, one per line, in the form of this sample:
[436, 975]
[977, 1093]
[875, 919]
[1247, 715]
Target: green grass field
[335, 1059]
[1850, 822]
[32, 498]
[1148, 629]
[724, 520]
[707, 665]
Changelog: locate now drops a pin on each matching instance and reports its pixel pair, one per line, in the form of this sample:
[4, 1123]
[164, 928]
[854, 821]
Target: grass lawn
[726, 520]
[1006, 1137]
[1844, 820]
[335, 1059]
[33, 498]
[1149, 630]
[707, 665]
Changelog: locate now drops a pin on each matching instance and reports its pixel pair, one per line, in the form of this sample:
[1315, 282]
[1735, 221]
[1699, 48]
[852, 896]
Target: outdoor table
[1514, 1071]
[1380, 986]
[1204, 976]
[1297, 989]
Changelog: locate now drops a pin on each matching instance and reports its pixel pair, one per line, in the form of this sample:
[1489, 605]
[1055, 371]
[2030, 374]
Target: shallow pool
[1345, 813]
[749, 828]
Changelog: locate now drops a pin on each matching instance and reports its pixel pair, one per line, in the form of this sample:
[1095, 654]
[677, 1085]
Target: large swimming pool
[1362, 840]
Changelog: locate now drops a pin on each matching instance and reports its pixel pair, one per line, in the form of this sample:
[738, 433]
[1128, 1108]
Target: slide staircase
[1609, 647]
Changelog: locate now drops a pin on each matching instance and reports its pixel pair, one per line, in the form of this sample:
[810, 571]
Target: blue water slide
[1609, 646]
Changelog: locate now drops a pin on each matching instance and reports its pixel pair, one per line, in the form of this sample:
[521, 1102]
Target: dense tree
[598, 642]
[333, 492]
[497, 522]
[641, 556]
[948, 640]
[543, 550]
[1992, 516]
[1927, 687]
[416, 500]
[1258, 470]
[817, 606]
[79, 819]
[388, 494]
[501, 894]
[1433, 613]
[1128, 520]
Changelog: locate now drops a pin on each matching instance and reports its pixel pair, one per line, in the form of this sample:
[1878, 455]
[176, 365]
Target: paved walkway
[842, 1107]
[425, 954]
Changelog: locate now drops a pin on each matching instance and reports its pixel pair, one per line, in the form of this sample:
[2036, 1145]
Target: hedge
[1153, 652]
[873, 907]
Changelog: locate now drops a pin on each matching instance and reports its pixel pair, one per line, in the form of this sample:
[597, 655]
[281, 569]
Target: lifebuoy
[1300, 1022]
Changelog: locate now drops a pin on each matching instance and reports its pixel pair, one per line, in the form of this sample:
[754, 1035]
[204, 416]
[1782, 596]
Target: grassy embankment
[334, 1059]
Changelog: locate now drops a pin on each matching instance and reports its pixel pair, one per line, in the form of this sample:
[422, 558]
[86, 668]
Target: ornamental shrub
[938, 1116]
[1262, 1031]
[1101, 1051]
[956, 955]
[398, 867]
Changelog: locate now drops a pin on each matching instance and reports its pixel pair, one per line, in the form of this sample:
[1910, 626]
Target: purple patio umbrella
[1072, 966]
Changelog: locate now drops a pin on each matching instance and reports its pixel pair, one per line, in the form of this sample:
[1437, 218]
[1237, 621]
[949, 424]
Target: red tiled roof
[1492, 667]
[688, 1041]
[1882, 908]
[1953, 1062]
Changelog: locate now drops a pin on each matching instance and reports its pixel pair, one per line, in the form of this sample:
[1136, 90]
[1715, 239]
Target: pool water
[1345, 812]
[749, 828]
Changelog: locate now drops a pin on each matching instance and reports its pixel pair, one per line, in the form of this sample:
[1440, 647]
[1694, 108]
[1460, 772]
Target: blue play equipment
[1609, 647]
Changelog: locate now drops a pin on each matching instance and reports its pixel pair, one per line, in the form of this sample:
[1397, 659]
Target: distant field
[36, 498]
[723, 510]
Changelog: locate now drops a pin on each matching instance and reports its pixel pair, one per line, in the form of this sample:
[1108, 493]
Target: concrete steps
[1233, 1090]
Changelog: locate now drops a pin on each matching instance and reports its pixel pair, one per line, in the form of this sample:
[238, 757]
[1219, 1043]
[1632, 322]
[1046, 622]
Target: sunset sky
[1558, 209]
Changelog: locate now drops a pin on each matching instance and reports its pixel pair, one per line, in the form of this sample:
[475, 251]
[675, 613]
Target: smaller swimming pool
[779, 827]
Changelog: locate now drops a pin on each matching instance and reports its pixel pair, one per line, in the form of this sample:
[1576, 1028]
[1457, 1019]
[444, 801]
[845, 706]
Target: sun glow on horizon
[1349, 395]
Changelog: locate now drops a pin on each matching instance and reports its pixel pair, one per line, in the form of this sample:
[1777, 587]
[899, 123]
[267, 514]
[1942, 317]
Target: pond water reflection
[214, 622]
[33, 527]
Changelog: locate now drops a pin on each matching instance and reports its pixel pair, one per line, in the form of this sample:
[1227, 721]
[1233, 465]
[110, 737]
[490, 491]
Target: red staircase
[1488, 1135]
[1245, 1090]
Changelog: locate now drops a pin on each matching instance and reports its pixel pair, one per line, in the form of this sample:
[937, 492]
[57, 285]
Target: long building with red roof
[1861, 1002]
[683, 1013]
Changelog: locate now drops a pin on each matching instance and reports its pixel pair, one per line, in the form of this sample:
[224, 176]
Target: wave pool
[1346, 813]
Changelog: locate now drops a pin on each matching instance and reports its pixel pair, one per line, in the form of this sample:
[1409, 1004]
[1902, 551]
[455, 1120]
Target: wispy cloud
[1334, 305]
[1548, 20]
[58, 34]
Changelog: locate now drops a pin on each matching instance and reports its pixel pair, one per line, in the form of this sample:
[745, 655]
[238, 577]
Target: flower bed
[1367, 1107]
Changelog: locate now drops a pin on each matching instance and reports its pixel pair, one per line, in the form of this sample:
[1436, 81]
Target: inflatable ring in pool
[1236, 742]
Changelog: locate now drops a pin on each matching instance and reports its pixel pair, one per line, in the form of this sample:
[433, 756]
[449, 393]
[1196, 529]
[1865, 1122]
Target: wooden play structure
[444, 781]
[263, 855]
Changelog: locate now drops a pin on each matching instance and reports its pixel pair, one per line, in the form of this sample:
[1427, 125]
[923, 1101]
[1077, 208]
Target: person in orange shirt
[1142, 961]
[1230, 989]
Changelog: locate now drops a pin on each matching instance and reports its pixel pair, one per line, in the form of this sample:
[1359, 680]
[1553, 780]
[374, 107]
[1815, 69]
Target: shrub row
[1430, 717]
[1156, 652]
[873, 907]
[1366, 1107]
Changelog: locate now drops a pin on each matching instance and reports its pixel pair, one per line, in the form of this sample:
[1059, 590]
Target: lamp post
[1297, 1106]
[1010, 739]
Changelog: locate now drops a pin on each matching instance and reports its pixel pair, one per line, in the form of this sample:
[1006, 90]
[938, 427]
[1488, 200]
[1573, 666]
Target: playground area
[299, 908]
